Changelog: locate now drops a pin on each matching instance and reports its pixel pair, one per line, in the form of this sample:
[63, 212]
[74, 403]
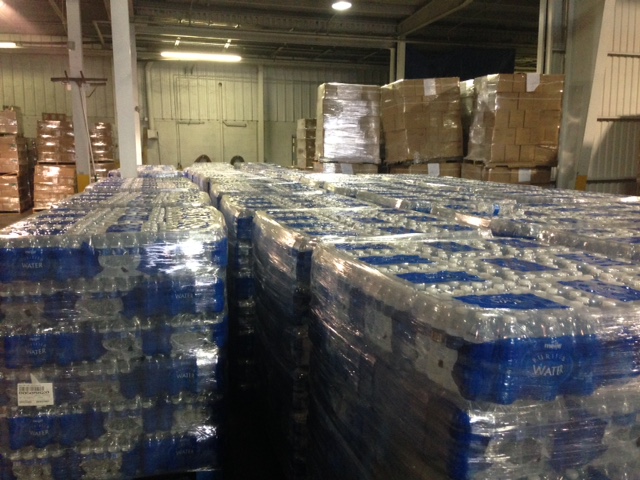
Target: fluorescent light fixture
[206, 57]
[341, 6]
[8, 45]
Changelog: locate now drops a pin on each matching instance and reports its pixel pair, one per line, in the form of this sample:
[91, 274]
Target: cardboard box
[349, 168]
[49, 157]
[525, 176]
[11, 121]
[436, 169]
[54, 171]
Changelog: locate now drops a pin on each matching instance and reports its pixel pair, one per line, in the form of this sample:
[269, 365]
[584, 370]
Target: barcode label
[28, 388]
[35, 394]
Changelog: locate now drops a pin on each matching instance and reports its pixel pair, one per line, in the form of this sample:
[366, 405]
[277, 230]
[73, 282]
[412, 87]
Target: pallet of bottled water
[150, 171]
[113, 338]
[142, 184]
[476, 359]
[429, 202]
[139, 199]
[374, 422]
[283, 243]
[239, 210]
[284, 240]
[609, 228]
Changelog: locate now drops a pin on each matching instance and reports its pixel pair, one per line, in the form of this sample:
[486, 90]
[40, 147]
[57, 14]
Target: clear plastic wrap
[421, 120]
[517, 119]
[305, 142]
[439, 202]
[94, 198]
[202, 173]
[151, 171]
[283, 243]
[348, 123]
[113, 341]
[473, 359]
[238, 210]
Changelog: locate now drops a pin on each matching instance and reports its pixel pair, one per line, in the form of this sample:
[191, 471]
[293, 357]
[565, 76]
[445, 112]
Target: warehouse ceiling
[291, 30]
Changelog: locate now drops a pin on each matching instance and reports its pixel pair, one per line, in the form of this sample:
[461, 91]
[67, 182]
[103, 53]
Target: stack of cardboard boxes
[515, 132]
[305, 142]
[101, 136]
[348, 128]
[15, 189]
[422, 126]
[55, 173]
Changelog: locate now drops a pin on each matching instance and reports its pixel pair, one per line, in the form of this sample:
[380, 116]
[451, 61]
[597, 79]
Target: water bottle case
[371, 400]
[122, 313]
[587, 349]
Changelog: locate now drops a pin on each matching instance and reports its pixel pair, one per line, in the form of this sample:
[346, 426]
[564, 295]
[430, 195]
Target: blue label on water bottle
[607, 290]
[398, 230]
[511, 301]
[439, 277]
[553, 362]
[354, 247]
[395, 260]
[515, 243]
[629, 240]
[8, 258]
[42, 430]
[452, 247]
[519, 265]
[31, 264]
[301, 225]
[593, 260]
[421, 218]
[126, 228]
[369, 220]
[455, 228]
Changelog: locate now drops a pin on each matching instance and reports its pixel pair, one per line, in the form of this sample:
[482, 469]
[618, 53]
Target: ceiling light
[341, 6]
[206, 57]
[8, 45]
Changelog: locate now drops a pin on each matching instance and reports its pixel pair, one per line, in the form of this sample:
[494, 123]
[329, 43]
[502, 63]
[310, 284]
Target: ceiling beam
[274, 20]
[313, 7]
[100, 36]
[262, 36]
[431, 12]
[58, 11]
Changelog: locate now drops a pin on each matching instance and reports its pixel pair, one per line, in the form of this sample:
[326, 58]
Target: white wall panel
[26, 83]
[599, 140]
[291, 93]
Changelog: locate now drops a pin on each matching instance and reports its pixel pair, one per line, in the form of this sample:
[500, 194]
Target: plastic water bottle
[72, 424]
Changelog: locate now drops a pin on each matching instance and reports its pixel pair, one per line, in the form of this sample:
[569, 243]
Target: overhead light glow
[205, 57]
[8, 45]
[341, 6]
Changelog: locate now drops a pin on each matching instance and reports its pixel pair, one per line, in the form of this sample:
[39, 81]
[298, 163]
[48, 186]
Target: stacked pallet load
[102, 149]
[121, 374]
[15, 189]
[55, 172]
[305, 143]
[347, 128]
[516, 128]
[421, 121]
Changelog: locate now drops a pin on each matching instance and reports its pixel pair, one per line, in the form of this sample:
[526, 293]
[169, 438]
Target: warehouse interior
[422, 266]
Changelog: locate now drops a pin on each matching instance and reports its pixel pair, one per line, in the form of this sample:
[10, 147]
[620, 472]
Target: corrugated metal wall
[217, 94]
[25, 81]
[614, 163]
[194, 92]
[291, 93]
[182, 94]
